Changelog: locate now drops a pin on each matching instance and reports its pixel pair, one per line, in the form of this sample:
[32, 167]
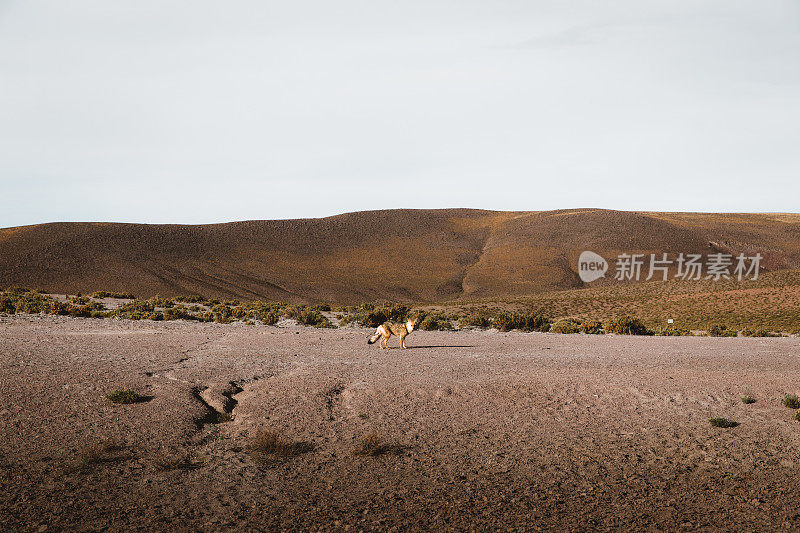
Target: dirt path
[519, 431]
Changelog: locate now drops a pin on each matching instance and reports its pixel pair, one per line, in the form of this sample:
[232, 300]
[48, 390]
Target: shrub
[720, 330]
[748, 400]
[134, 307]
[791, 401]
[7, 305]
[626, 325]
[221, 313]
[348, 319]
[176, 313]
[719, 422]
[567, 325]
[670, 331]
[307, 317]
[191, 299]
[126, 396]
[592, 327]
[375, 316]
[435, 322]
[158, 301]
[78, 300]
[118, 295]
[19, 300]
[475, 319]
[505, 321]
[748, 332]
[796, 415]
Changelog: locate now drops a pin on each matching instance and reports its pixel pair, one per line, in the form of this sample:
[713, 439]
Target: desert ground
[480, 429]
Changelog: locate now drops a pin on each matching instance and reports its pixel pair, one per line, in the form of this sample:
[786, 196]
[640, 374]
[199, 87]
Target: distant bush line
[198, 308]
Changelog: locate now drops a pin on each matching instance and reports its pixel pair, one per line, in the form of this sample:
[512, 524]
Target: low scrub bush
[720, 330]
[592, 327]
[222, 313]
[19, 300]
[372, 318]
[158, 301]
[748, 400]
[719, 422]
[505, 321]
[791, 401]
[126, 396]
[567, 325]
[749, 332]
[670, 331]
[626, 325]
[117, 295]
[191, 299]
[435, 322]
[475, 319]
[307, 316]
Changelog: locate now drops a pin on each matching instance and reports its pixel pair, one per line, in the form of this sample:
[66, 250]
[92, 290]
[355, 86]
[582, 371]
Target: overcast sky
[201, 111]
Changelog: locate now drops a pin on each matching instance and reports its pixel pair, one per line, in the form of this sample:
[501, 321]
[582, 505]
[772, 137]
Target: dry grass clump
[791, 401]
[747, 399]
[168, 460]
[98, 451]
[126, 396]
[271, 444]
[373, 445]
[719, 422]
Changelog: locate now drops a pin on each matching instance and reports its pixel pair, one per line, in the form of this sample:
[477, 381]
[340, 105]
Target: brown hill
[405, 255]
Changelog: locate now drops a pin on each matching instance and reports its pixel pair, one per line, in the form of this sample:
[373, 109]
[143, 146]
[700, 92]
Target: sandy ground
[499, 430]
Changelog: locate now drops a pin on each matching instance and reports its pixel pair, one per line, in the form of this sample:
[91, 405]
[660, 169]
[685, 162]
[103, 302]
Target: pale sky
[201, 111]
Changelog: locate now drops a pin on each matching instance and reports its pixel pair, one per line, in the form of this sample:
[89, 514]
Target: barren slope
[407, 255]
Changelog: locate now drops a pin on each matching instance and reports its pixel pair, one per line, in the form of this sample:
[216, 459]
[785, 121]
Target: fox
[387, 329]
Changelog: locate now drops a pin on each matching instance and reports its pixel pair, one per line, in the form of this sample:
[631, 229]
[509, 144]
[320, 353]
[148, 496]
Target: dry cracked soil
[479, 430]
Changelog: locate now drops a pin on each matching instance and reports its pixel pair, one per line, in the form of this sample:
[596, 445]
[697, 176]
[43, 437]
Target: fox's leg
[402, 342]
[386, 341]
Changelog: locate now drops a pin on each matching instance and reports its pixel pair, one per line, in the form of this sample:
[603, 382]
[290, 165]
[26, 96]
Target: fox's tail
[375, 337]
